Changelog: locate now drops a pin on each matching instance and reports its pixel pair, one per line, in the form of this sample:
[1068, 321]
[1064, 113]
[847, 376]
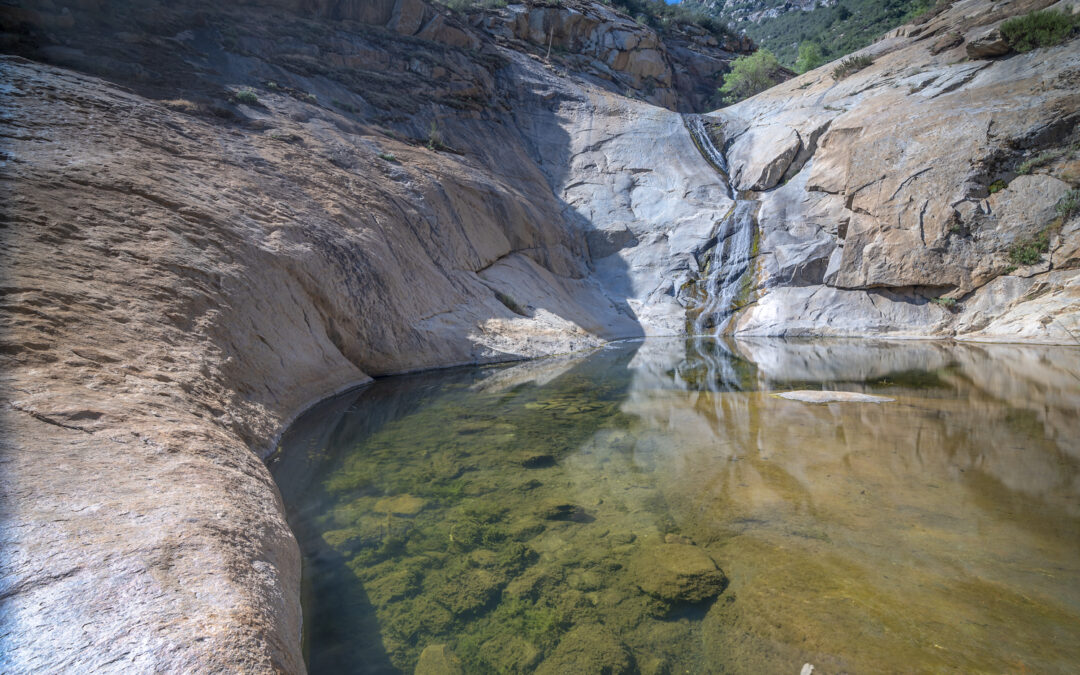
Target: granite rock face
[187, 267]
[680, 71]
[916, 179]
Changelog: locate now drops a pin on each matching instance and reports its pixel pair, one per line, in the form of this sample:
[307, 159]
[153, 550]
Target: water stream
[727, 279]
[573, 514]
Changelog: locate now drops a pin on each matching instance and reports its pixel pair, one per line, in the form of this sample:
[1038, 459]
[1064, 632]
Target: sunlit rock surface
[912, 187]
[186, 269]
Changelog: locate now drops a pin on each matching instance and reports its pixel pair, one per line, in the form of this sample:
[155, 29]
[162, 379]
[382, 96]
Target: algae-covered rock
[469, 591]
[406, 619]
[677, 573]
[342, 539]
[589, 649]
[393, 586]
[438, 660]
[511, 654]
[400, 505]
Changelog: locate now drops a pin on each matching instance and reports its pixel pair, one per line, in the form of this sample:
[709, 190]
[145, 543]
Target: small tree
[809, 57]
[750, 75]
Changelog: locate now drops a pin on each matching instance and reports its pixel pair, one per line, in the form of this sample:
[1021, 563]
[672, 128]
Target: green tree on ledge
[750, 75]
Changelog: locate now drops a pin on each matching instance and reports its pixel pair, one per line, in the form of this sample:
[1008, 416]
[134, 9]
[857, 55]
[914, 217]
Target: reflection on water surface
[568, 515]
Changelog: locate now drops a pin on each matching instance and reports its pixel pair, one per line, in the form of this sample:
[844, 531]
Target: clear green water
[563, 515]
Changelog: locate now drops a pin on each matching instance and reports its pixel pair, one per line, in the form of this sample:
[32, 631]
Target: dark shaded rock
[538, 461]
[988, 45]
[555, 510]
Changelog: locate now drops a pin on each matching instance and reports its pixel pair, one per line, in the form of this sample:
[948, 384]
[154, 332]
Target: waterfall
[695, 124]
[725, 282]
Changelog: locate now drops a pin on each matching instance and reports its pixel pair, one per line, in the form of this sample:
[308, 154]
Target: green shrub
[1069, 205]
[852, 64]
[1037, 29]
[947, 303]
[750, 75]
[998, 186]
[247, 96]
[810, 57]
[387, 156]
[1030, 251]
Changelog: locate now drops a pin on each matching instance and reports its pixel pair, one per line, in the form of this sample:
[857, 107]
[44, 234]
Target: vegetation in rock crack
[810, 57]
[1042, 159]
[388, 156]
[750, 75]
[434, 139]
[1030, 251]
[997, 186]
[839, 28]
[1038, 29]
[246, 96]
[852, 64]
[947, 303]
[1069, 205]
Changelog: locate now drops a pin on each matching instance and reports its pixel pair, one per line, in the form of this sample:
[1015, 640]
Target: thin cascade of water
[727, 267]
[725, 274]
[695, 124]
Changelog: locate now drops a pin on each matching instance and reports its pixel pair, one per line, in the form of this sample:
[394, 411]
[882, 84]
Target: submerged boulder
[814, 396]
[677, 573]
[438, 660]
[588, 650]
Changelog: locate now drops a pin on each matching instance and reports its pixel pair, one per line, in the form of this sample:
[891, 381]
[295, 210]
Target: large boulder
[988, 45]
[760, 157]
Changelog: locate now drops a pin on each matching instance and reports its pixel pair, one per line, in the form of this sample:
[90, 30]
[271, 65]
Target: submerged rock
[677, 573]
[470, 591]
[400, 505]
[588, 650]
[808, 396]
[438, 660]
[556, 510]
[538, 461]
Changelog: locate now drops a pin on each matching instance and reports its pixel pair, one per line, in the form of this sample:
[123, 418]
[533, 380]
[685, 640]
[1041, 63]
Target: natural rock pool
[573, 514]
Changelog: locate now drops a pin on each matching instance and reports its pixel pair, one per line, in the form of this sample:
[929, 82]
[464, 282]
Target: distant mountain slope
[838, 26]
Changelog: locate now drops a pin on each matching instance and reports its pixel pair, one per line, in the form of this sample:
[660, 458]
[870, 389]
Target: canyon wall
[894, 200]
[215, 216]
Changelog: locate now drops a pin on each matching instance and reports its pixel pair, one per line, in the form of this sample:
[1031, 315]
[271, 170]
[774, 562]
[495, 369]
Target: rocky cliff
[215, 215]
[902, 197]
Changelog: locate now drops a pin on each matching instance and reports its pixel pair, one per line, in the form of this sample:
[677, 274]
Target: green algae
[570, 522]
